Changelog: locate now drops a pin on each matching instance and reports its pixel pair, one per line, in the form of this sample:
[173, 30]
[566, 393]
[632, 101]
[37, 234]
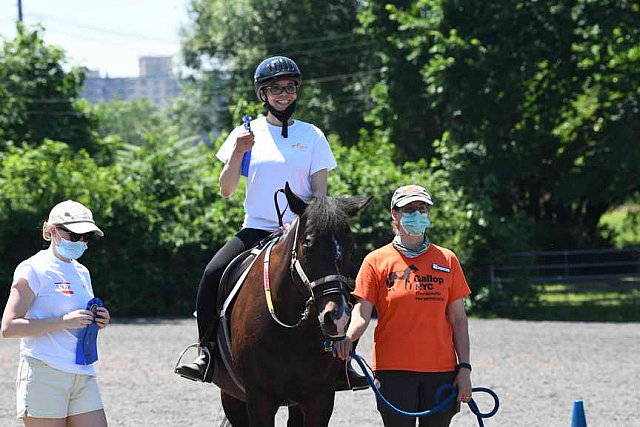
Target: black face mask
[283, 116]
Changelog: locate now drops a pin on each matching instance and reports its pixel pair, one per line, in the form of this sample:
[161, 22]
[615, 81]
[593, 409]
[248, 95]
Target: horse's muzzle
[334, 319]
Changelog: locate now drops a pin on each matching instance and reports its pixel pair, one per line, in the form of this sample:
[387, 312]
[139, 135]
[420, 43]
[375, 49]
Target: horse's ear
[296, 204]
[353, 205]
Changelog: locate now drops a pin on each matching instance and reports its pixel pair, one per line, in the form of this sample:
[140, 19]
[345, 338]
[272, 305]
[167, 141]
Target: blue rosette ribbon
[246, 157]
[87, 348]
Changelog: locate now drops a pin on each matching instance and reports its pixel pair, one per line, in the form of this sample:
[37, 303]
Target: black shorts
[414, 392]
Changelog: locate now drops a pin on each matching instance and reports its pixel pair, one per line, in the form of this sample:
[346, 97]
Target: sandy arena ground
[537, 368]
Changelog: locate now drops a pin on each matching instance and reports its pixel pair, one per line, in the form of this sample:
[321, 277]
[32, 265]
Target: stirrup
[206, 371]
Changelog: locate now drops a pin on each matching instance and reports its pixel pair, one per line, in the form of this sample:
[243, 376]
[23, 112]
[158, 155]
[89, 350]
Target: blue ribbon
[439, 405]
[87, 347]
[246, 157]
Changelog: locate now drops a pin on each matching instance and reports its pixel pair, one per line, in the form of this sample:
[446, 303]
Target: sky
[106, 35]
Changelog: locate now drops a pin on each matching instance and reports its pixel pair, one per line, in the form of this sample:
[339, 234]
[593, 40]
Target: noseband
[338, 284]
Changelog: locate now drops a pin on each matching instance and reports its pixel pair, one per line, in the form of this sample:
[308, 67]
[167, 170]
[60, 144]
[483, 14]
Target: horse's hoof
[352, 381]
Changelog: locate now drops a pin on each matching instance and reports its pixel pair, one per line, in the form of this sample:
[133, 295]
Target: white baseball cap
[75, 217]
[410, 193]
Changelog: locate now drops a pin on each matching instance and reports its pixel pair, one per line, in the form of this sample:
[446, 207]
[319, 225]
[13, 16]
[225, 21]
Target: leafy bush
[159, 208]
[622, 226]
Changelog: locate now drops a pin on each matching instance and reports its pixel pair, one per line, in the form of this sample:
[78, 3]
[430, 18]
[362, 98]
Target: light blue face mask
[71, 250]
[415, 223]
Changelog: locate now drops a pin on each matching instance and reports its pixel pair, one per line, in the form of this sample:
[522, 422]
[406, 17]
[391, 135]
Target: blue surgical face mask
[71, 250]
[415, 223]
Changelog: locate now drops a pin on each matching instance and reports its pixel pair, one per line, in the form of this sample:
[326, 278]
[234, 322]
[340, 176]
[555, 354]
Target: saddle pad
[231, 275]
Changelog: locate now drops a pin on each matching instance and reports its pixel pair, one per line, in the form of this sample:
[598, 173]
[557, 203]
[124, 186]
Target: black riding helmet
[274, 68]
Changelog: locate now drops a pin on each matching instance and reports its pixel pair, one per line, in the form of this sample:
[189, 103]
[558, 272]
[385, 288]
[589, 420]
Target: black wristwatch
[463, 365]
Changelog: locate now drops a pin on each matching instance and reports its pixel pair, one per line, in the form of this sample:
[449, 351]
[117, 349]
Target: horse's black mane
[327, 215]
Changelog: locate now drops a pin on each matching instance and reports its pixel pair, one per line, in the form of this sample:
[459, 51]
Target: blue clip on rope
[87, 347]
[246, 157]
[439, 405]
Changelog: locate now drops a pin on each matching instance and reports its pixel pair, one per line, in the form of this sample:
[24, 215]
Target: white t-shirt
[276, 160]
[60, 287]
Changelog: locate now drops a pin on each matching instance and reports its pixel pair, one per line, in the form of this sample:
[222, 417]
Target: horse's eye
[307, 242]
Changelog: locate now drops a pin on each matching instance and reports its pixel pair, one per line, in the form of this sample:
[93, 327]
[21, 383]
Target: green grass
[563, 294]
[562, 302]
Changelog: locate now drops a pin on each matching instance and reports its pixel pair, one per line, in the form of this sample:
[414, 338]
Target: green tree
[227, 40]
[622, 225]
[163, 227]
[539, 102]
[39, 98]
[131, 121]
[369, 168]
[158, 206]
[32, 181]
[399, 105]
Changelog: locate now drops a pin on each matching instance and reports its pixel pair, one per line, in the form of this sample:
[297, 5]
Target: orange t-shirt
[411, 296]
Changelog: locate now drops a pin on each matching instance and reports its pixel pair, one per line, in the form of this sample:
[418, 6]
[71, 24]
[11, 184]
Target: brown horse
[278, 354]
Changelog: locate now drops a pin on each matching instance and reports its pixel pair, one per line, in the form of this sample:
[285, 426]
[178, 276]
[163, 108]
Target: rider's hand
[102, 317]
[244, 142]
[77, 319]
[342, 348]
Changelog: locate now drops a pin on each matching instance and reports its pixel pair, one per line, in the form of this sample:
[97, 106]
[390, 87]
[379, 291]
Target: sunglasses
[278, 90]
[74, 237]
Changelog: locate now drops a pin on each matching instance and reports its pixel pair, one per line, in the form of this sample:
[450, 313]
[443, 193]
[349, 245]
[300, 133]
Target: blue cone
[578, 418]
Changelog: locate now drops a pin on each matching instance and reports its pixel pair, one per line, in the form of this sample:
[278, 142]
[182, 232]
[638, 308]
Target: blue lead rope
[439, 405]
[87, 347]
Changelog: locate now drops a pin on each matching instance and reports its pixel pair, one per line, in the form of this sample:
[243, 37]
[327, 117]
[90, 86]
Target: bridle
[337, 283]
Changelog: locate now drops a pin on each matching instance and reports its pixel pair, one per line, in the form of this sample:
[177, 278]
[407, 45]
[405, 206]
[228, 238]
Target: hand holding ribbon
[246, 157]
[87, 347]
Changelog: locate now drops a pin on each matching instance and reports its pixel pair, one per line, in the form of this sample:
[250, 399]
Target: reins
[275, 202]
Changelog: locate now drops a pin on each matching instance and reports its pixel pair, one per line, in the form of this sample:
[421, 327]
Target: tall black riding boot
[200, 369]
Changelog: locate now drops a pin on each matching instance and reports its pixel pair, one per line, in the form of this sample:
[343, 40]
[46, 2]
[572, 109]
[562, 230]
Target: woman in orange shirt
[421, 340]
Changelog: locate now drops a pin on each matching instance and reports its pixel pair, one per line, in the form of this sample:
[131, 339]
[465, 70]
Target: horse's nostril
[329, 317]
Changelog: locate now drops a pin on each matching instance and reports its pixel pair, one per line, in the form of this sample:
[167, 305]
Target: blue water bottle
[246, 158]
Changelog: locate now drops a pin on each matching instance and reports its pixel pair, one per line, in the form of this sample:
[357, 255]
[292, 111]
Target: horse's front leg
[261, 408]
[318, 409]
[235, 410]
[296, 418]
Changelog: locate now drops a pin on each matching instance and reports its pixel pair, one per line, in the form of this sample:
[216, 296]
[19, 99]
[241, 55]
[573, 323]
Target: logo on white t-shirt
[63, 288]
[299, 146]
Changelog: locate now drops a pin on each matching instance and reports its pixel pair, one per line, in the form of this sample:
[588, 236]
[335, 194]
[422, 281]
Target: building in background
[156, 82]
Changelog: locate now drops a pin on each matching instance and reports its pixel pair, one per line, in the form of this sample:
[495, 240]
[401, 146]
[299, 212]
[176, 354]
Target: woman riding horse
[278, 150]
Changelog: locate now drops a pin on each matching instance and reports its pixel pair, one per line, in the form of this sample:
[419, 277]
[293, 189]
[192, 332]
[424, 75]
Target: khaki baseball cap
[74, 216]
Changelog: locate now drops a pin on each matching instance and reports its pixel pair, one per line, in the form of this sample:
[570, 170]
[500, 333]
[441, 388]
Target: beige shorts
[46, 392]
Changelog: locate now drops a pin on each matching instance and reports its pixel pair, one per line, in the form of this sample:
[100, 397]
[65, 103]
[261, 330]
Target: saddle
[236, 269]
[232, 280]
[232, 274]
